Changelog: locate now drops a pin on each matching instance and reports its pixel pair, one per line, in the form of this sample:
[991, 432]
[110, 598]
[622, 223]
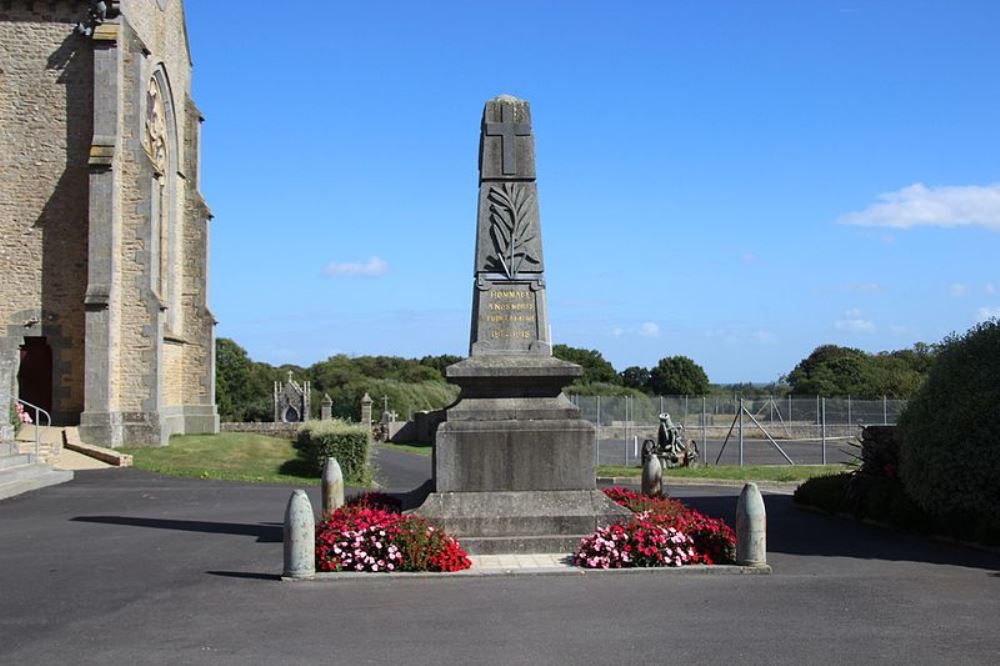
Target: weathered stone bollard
[300, 536]
[652, 477]
[333, 486]
[326, 408]
[751, 527]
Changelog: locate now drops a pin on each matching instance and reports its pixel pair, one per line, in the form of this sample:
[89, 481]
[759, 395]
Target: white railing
[39, 413]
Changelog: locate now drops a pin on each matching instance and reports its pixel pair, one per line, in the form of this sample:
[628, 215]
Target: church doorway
[34, 378]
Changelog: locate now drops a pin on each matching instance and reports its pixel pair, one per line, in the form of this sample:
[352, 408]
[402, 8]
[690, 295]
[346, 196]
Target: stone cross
[508, 131]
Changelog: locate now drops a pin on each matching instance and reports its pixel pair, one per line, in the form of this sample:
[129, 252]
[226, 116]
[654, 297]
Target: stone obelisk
[513, 460]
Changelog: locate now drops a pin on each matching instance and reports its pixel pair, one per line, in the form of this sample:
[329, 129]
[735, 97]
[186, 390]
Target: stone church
[104, 318]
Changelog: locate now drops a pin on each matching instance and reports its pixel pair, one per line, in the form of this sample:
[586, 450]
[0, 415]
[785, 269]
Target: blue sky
[738, 182]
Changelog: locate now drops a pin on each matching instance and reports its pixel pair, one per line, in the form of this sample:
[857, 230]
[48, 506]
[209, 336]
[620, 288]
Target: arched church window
[160, 143]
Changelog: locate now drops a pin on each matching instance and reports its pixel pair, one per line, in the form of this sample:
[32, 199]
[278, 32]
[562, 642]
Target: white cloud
[866, 287]
[919, 205]
[957, 290]
[649, 330]
[896, 329]
[763, 337]
[372, 268]
[990, 288]
[986, 313]
[853, 322]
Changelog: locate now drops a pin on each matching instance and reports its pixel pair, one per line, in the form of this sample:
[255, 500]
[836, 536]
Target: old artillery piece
[671, 446]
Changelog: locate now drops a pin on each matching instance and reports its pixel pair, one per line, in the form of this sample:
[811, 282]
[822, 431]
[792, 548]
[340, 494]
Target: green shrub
[950, 431]
[825, 492]
[884, 500]
[349, 444]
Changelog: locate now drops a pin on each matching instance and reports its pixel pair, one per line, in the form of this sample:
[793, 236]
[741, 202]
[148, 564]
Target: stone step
[50, 435]
[25, 478]
[16, 460]
[546, 543]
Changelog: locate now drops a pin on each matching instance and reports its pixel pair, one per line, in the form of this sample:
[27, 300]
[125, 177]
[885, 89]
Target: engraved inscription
[508, 314]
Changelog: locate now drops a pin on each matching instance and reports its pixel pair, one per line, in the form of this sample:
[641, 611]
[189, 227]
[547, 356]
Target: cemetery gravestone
[513, 460]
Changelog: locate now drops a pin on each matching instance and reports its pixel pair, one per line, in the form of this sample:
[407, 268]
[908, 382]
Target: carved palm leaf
[511, 228]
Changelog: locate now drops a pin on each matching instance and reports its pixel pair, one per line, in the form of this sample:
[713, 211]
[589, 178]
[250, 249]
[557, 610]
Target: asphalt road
[755, 451]
[122, 566]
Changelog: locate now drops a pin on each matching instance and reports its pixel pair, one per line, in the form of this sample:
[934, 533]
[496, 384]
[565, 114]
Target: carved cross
[508, 131]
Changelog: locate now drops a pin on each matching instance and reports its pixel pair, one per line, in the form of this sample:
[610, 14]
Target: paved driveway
[121, 566]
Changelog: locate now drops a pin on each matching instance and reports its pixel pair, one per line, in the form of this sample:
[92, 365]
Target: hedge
[349, 443]
[950, 430]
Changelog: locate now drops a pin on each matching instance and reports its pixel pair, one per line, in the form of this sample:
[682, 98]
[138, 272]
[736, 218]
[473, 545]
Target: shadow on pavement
[265, 532]
[244, 575]
[796, 532]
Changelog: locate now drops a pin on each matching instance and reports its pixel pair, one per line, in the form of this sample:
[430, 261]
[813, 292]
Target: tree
[678, 375]
[635, 377]
[441, 362]
[242, 388]
[595, 367]
[838, 371]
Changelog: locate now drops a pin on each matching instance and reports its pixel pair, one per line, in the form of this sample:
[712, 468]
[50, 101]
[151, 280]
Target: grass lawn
[732, 472]
[228, 456]
[416, 449]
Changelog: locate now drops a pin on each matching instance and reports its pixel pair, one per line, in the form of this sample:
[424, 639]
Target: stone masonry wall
[46, 88]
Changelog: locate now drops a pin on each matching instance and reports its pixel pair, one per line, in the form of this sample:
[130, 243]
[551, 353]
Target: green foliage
[950, 430]
[635, 377]
[349, 444]
[602, 389]
[440, 362]
[885, 500]
[678, 375]
[838, 371]
[595, 367]
[242, 388]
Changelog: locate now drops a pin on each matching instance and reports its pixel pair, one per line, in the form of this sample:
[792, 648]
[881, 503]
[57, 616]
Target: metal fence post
[628, 402]
[850, 421]
[740, 407]
[823, 428]
[704, 429]
[598, 430]
[885, 411]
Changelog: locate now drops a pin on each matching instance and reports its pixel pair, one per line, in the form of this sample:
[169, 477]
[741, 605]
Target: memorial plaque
[509, 317]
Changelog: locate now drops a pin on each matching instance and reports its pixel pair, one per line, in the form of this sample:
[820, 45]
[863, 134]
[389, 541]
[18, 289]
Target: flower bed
[370, 534]
[663, 532]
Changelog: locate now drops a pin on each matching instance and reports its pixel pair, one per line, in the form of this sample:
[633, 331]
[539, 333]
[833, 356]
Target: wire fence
[773, 430]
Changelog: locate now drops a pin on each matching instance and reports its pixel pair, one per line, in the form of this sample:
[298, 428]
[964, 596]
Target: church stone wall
[46, 89]
[80, 240]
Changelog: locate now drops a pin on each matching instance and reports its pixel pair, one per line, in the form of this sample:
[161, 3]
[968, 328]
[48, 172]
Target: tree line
[244, 387]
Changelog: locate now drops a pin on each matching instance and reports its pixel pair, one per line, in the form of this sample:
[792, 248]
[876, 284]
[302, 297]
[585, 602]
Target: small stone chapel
[104, 318]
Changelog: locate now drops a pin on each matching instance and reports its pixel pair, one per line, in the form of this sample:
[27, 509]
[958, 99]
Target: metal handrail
[38, 433]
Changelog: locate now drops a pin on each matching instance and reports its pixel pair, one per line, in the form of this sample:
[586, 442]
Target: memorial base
[531, 521]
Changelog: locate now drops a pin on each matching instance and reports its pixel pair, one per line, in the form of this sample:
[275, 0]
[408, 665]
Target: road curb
[689, 570]
[783, 487]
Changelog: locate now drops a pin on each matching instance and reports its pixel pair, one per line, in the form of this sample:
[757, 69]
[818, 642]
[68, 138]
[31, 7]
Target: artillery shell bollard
[300, 536]
[333, 486]
[652, 476]
[751, 527]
